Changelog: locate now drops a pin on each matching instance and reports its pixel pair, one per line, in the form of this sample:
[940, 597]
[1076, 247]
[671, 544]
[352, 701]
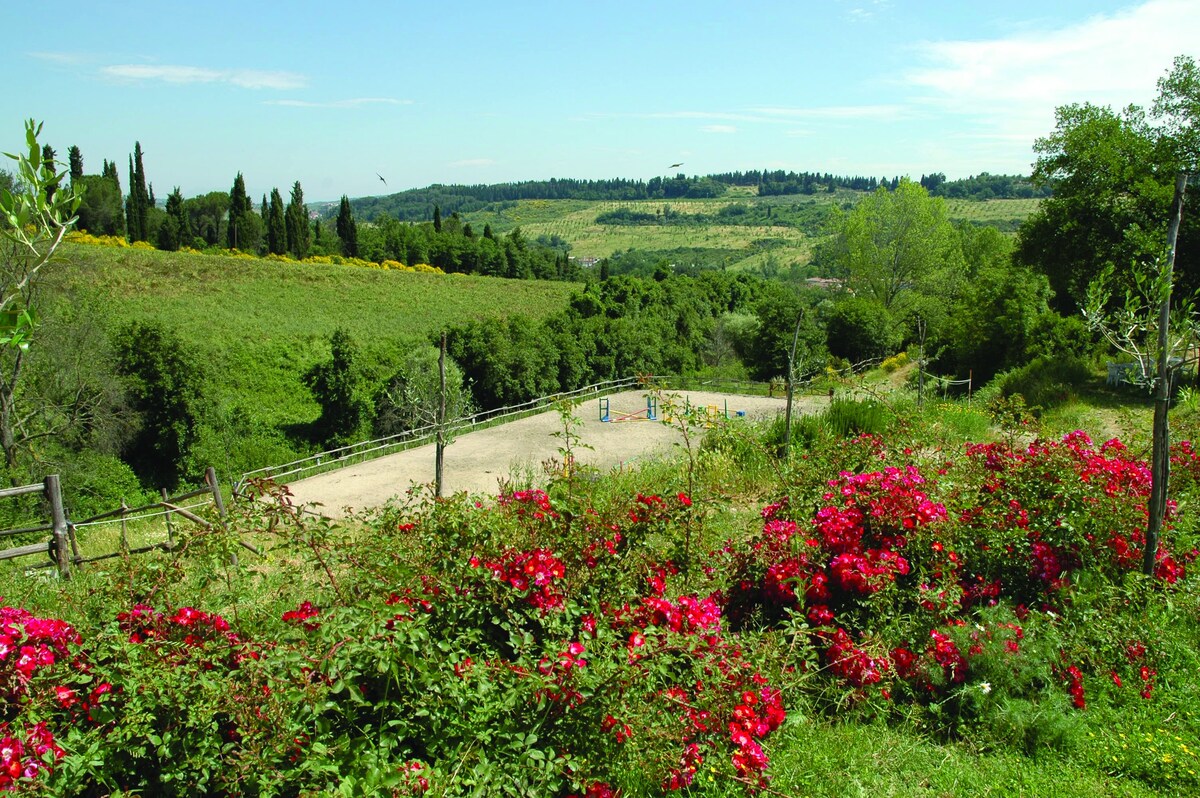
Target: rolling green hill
[257, 325]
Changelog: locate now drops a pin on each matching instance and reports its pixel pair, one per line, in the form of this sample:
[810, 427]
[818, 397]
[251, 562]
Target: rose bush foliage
[542, 643]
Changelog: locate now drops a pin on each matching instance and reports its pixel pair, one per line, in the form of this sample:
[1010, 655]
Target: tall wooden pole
[210, 479]
[1160, 458]
[791, 381]
[921, 364]
[441, 420]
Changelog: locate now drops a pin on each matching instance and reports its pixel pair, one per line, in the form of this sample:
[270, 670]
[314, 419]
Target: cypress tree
[132, 208]
[110, 171]
[76, 160]
[276, 225]
[176, 229]
[299, 236]
[437, 218]
[239, 208]
[143, 194]
[139, 201]
[48, 170]
[347, 230]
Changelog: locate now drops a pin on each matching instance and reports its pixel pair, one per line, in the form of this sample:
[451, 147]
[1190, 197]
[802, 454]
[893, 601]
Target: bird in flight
[672, 166]
[381, 178]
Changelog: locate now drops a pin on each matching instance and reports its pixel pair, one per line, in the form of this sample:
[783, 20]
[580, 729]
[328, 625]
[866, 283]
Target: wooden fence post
[58, 520]
[210, 479]
[170, 531]
[440, 447]
[124, 529]
[74, 542]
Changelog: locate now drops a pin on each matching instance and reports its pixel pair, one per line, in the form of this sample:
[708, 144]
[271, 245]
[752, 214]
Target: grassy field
[259, 324]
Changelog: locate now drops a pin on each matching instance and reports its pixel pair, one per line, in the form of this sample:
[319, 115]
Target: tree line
[416, 205]
[778, 182]
[808, 215]
[985, 186]
[278, 227]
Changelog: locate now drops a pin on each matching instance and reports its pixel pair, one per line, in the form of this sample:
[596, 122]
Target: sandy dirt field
[477, 461]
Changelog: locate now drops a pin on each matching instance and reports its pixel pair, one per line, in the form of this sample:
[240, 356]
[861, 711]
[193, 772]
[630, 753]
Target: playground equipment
[650, 413]
[707, 415]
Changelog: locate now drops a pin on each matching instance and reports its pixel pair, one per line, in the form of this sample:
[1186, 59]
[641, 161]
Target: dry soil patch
[476, 462]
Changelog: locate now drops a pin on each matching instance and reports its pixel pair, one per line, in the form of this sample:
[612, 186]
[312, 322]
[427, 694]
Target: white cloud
[1013, 84]
[356, 102]
[473, 162]
[733, 117]
[861, 12]
[719, 129]
[177, 74]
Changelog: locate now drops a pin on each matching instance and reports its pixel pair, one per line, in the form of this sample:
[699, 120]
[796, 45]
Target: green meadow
[258, 324]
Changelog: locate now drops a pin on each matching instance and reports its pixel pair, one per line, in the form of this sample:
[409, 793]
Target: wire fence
[145, 516]
[946, 383]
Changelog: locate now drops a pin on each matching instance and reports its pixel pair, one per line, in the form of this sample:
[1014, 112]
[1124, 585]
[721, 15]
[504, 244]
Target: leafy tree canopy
[1113, 176]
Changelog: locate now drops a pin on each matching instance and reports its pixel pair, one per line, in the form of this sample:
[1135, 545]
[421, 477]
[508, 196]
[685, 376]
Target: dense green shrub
[340, 387]
[850, 417]
[1046, 382]
[95, 483]
[859, 329]
[166, 383]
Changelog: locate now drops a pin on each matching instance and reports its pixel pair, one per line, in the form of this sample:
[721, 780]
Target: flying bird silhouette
[672, 166]
[381, 178]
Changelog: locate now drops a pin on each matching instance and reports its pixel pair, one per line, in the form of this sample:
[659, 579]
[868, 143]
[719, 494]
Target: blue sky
[422, 92]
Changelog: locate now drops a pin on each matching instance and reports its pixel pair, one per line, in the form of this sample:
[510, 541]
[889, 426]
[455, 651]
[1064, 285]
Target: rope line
[140, 517]
[946, 380]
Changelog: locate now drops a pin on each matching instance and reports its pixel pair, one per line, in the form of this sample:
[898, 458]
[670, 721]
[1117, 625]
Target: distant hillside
[259, 324]
[417, 205]
[740, 231]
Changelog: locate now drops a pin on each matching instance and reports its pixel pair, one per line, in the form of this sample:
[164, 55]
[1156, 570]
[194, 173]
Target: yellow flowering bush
[324, 260]
[101, 241]
[894, 362]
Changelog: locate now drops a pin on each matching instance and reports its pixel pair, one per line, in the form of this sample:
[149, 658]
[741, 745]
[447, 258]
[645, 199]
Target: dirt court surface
[477, 461]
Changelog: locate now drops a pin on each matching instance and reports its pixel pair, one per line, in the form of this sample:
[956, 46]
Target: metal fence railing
[368, 450]
[379, 447]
